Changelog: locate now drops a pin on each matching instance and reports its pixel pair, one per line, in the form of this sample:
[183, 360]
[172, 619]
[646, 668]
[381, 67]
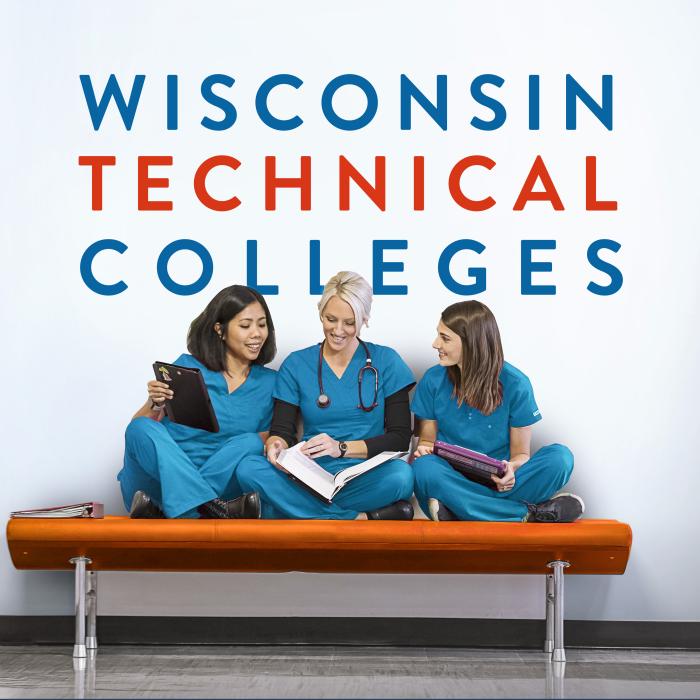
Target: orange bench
[416, 547]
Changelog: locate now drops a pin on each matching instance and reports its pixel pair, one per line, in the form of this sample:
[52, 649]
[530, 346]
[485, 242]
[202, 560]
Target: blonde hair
[353, 289]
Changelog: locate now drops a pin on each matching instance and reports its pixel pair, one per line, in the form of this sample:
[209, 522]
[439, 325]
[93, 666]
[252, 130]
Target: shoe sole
[578, 498]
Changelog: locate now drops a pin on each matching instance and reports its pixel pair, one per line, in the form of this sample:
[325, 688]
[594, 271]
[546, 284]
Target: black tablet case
[190, 404]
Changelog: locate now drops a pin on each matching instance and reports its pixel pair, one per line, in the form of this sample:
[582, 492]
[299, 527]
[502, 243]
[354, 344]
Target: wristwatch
[343, 447]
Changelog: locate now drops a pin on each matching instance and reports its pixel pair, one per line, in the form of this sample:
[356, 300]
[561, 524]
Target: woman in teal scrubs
[474, 399]
[186, 472]
[352, 397]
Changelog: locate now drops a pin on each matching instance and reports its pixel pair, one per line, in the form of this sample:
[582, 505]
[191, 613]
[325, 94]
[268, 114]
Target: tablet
[190, 404]
[474, 465]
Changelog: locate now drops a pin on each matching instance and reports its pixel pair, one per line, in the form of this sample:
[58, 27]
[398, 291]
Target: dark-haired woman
[474, 399]
[175, 471]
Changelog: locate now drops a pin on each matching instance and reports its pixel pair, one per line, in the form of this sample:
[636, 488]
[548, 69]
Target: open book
[76, 510]
[317, 480]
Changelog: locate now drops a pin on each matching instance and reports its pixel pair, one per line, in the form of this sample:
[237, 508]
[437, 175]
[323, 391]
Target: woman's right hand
[273, 447]
[422, 450]
[159, 393]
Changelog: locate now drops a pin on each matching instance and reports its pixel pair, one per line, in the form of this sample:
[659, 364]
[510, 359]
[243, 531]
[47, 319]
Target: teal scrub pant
[156, 464]
[536, 481]
[284, 498]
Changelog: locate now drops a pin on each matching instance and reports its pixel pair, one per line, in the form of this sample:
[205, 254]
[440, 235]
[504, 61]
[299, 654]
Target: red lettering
[200, 183]
[592, 202]
[418, 183]
[456, 189]
[347, 172]
[97, 163]
[146, 183]
[550, 194]
[272, 183]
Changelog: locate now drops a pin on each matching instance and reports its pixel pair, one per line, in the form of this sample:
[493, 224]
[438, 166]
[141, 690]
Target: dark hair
[475, 379]
[204, 342]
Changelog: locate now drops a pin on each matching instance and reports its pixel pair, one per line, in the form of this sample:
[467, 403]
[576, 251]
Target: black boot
[245, 506]
[214, 509]
[401, 510]
[143, 507]
[563, 508]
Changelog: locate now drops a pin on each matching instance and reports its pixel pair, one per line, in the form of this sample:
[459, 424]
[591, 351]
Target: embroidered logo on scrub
[536, 413]
[165, 373]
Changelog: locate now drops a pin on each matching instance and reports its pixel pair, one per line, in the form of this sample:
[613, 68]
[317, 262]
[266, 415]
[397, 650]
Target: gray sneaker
[563, 508]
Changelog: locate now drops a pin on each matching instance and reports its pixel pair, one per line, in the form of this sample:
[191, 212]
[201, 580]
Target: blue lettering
[184, 289]
[499, 111]
[252, 270]
[437, 112]
[171, 91]
[97, 110]
[223, 104]
[86, 267]
[478, 273]
[379, 267]
[349, 124]
[603, 112]
[261, 102]
[527, 267]
[606, 267]
[533, 103]
[315, 286]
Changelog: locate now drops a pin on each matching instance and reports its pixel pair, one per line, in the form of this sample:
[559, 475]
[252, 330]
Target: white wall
[615, 376]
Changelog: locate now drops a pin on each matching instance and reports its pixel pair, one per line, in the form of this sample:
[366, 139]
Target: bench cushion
[420, 546]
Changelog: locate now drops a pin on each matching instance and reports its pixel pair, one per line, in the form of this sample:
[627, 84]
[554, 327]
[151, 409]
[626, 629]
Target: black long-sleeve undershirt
[397, 424]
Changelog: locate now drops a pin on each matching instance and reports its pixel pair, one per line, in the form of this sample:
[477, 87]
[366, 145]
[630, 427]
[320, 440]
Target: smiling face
[339, 327]
[245, 333]
[449, 346]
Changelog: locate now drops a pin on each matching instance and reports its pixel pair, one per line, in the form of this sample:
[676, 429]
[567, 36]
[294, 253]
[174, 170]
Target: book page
[345, 475]
[306, 470]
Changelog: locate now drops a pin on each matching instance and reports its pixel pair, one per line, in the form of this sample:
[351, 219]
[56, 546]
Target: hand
[159, 393]
[321, 446]
[422, 450]
[507, 481]
[273, 447]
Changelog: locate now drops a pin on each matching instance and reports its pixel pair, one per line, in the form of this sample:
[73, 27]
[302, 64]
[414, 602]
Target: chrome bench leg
[91, 639]
[558, 567]
[549, 614]
[554, 680]
[79, 649]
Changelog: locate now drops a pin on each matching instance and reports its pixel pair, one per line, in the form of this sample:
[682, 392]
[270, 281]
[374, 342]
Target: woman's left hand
[507, 481]
[321, 446]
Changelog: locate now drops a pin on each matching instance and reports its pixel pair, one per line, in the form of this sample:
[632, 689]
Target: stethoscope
[324, 401]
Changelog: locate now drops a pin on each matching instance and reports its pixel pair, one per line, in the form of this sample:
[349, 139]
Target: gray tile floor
[344, 672]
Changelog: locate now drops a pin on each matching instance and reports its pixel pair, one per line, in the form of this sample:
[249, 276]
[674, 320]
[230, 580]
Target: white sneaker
[439, 511]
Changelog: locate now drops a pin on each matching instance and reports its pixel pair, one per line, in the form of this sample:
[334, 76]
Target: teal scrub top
[297, 383]
[246, 410]
[467, 426]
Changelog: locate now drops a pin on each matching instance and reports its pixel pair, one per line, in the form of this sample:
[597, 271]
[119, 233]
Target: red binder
[90, 509]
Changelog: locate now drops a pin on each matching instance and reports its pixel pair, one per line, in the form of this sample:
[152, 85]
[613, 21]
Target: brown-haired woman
[473, 398]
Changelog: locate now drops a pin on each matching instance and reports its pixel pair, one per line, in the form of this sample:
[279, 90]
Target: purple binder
[474, 465]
